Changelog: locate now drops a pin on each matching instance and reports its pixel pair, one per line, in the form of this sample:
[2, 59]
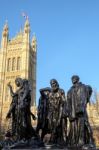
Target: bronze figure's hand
[9, 85]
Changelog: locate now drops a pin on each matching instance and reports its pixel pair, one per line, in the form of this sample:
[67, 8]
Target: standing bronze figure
[20, 110]
[42, 122]
[55, 110]
[13, 111]
[78, 96]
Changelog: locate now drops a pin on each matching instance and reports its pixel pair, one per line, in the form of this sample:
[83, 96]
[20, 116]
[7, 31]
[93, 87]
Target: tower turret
[26, 47]
[5, 35]
[34, 51]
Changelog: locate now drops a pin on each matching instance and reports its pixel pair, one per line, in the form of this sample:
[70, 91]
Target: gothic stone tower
[17, 59]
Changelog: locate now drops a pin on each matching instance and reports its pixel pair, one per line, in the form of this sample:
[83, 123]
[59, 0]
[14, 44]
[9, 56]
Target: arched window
[9, 64]
[18, 63]
[13, 63]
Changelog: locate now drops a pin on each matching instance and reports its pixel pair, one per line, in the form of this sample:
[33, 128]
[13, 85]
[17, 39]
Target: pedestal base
[36, 143]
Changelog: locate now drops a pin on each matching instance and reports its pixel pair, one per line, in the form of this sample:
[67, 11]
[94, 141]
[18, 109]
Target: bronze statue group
[56, 112]
[62, 121]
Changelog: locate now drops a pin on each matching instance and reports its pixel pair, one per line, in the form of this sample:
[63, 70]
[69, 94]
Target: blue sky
[67, 33]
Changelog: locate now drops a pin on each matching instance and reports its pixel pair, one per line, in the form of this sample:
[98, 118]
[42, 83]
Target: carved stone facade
[17, 59]
[93, 112]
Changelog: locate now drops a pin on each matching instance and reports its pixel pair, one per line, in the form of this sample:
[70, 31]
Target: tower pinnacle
[5, 29]
[5, 34]
[27, 26]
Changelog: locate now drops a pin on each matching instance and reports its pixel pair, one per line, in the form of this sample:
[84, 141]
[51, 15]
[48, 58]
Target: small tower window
[18, 63]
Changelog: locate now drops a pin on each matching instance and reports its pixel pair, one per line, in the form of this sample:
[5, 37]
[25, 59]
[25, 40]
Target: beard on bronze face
[54, 87]
[74, 81]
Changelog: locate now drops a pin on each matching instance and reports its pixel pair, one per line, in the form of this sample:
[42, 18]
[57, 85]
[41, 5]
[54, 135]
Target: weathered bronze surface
[62, 121]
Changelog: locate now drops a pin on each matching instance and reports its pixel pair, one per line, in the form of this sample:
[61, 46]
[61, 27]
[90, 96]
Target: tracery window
[13, 64]
[18, 63]
[9, 64]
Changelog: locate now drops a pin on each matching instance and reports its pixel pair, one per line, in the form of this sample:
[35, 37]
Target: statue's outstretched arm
[11, 90]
